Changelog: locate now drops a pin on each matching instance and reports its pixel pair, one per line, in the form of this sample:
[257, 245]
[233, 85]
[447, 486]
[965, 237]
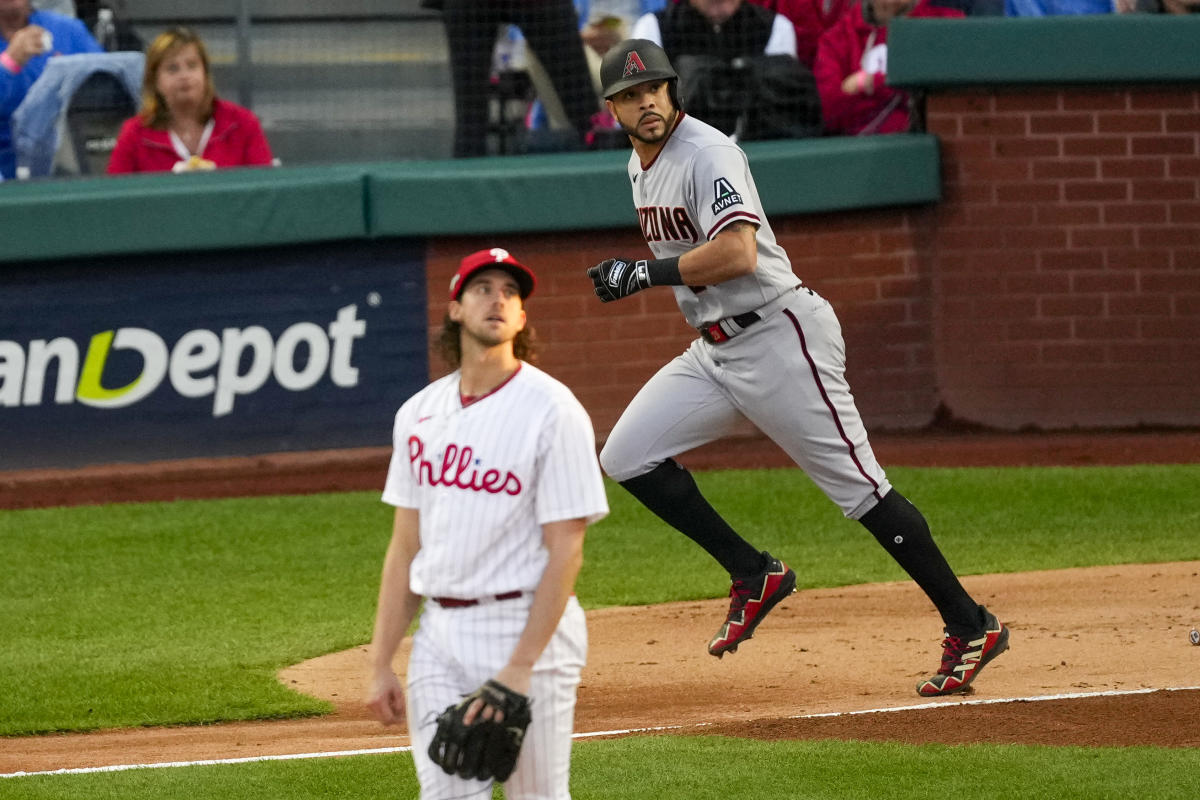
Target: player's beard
[668, 124]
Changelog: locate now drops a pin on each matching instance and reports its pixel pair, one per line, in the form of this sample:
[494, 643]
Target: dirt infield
[1107, 642]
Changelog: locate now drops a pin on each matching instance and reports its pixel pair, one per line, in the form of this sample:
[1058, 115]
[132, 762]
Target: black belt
[454, 602]
[721, 330]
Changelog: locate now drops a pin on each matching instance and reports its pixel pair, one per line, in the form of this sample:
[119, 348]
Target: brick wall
[1066, 257]
[1057, 285]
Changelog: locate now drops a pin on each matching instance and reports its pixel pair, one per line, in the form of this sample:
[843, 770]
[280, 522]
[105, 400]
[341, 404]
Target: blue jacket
[34, 123]
[1050, 8]
[70, 36]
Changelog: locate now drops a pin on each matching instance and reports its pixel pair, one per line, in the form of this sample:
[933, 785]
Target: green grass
[159, 613]
[695, 768]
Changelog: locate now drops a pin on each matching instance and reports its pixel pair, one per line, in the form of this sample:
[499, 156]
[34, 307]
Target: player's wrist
[661, 271]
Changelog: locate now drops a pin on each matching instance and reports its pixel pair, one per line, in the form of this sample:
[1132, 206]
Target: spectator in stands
[851, 68]
[737, 67]
[809, 18]
[551, 29]
[28, 39]
[1049, 8]
[183, 125]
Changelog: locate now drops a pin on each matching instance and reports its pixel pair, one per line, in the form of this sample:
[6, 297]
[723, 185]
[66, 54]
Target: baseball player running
[770, 349]
[494, 478]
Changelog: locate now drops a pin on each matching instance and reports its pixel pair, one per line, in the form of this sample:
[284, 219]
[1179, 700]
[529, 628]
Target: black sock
[670, 492]
[904, 533]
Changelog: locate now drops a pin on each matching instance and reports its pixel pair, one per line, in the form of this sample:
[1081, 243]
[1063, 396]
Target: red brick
[1038, 283]
[1101, 328]
[1026, 100]
[1171, 328]
[1138, 259]
[1095, 191]
[971, 239]
[1162, 98]
[1171, 282]
[1185, 213]
[827, 244]
[1038, 330]
[1186, 260]
[1026, 148]
[896, 242]
[1067, 215]
[1006, 262]
[1164, 190]
[1102, 237]
[1134, 213]
[1183, 167]
[1070, 306]
[1163, 145]
[1123, 352]
[1182, 236]
[1186, 305]
[1139, 305]
[1052, 170]
[1133, 168]
[975, 102]
[961, 150]
[1036, 239]
[995, 170]
[1095, 146]
[1041, 124]
[1072, 352]
[1183, 122]
[1030, 192]
[1015, 125]
[944, 126]
[1071, 259]
[1130, 123]
[970, 285]
[1095, 101]
[1005, 215]
[851, 291]
[1103, 282]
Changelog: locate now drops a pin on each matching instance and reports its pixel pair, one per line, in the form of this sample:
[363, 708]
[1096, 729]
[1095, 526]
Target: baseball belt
[725, 329]
[455, 602]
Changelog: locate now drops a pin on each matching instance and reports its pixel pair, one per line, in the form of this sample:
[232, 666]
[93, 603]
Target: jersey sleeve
[569, 485]
[400, 489]
[720, 189]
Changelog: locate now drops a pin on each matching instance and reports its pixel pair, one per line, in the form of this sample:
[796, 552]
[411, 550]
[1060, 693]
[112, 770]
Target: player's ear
[454, 311]
[524, 319]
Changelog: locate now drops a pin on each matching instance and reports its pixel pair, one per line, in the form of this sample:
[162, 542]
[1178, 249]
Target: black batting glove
[615, 278]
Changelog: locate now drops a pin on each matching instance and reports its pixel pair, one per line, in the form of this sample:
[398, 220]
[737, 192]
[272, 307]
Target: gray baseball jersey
[699, 183]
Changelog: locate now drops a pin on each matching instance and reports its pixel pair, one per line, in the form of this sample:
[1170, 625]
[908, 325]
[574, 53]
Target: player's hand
[385, 699]
[615, 278]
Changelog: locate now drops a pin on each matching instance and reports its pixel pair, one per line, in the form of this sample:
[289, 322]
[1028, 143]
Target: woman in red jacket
[183, 125]
[851, 68]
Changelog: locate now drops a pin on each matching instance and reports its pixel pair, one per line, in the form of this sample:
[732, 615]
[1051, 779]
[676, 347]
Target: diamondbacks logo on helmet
[633, 64]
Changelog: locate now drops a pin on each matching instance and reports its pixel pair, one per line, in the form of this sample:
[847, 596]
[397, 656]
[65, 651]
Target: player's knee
[617, 465]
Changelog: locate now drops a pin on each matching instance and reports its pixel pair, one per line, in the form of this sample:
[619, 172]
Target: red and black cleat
[750, 600]
[963, 658]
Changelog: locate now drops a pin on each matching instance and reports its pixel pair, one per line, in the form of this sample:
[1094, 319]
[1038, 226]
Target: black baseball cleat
[750, 598]
[963, 658]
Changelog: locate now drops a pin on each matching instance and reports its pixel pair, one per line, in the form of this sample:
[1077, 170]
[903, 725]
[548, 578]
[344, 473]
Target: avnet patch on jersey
[724, 196]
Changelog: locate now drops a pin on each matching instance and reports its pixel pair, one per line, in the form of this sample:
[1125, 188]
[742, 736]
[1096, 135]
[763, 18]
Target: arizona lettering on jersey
[697, 186]
[458, 468]
[660, 223]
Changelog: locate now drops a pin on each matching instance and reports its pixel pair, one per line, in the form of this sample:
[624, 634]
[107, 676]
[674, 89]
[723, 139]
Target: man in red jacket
[851, 68]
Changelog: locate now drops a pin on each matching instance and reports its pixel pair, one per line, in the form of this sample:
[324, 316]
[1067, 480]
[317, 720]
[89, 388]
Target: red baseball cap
[495, 258]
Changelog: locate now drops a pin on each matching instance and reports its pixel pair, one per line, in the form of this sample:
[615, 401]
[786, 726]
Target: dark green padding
[582, 191]
[1089, 49]
[172, 213]
[591, 190]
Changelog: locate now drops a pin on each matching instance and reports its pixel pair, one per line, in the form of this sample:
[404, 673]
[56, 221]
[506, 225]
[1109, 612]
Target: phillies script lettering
[456, 469]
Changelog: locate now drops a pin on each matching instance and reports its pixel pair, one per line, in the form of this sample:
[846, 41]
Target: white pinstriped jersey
[487, 476]
[699, 183]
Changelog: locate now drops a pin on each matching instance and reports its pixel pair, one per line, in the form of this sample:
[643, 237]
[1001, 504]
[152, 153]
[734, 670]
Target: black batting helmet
[634, 61]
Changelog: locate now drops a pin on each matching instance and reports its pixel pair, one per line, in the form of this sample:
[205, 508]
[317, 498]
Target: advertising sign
[136, 359]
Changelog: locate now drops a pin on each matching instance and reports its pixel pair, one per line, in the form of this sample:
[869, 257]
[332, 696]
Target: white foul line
[623, 732]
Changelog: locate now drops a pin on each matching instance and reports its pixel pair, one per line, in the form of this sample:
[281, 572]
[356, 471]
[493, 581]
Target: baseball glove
[484, 749]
